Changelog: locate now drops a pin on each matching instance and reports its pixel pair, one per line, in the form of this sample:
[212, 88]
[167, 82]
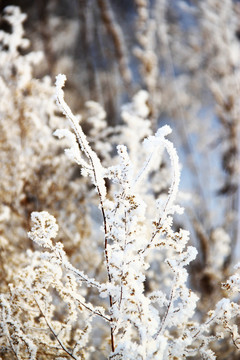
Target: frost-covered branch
[96, 169]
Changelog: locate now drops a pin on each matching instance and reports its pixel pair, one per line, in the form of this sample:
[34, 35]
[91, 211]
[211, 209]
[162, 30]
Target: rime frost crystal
[138, 240]
[96, 169]
[44, 228]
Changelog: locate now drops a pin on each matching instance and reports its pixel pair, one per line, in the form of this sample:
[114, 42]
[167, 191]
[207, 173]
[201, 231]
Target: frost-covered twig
[95, 165]
[64, 348]
[169, 208]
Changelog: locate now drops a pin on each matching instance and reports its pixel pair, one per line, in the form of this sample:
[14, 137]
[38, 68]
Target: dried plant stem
[168, 308]
[118, 39]
[53, 332]
[93, 162]
[93, 312]
[107, 263]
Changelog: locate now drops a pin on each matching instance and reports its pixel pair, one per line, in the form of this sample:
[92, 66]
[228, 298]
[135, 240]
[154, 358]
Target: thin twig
[54, 333]
[107, 262]
[94, 311]
[168, 309]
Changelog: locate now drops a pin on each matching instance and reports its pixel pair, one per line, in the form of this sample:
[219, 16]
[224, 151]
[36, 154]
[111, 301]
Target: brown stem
[94, 312]
[107, 262]
[54, 333]
[117, 38]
